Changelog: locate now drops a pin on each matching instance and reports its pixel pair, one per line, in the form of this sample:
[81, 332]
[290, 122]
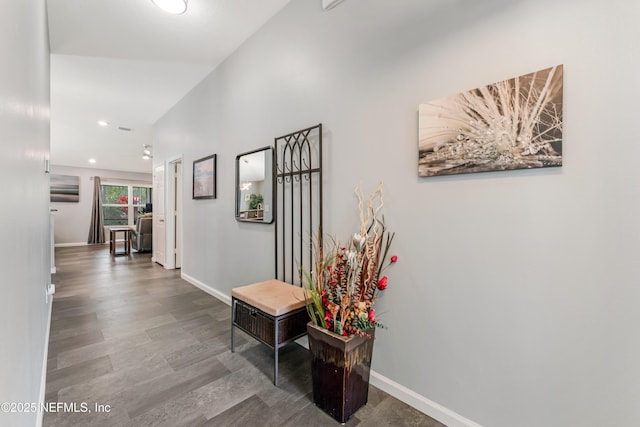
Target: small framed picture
[204, 178]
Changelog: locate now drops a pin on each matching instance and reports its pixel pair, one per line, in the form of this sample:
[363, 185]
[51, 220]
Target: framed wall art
[204, 178]
[65, 188]
[512, 124]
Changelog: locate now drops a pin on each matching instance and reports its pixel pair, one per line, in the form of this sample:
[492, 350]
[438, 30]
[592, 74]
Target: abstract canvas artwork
[512, 124]
[65, 188]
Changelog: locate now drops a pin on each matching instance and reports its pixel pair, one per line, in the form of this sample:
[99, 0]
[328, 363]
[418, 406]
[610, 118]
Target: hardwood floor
[136, 339]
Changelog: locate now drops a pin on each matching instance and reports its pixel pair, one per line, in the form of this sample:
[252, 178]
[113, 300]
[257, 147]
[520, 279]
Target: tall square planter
[340, 369]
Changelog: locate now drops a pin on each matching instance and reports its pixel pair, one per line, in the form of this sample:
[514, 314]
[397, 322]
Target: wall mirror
[254, 186]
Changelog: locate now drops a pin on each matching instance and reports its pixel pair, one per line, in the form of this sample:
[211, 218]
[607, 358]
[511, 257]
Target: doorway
[174, 214]
[159, 230]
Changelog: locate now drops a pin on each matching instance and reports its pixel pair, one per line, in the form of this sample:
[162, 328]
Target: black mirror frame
[273, 185]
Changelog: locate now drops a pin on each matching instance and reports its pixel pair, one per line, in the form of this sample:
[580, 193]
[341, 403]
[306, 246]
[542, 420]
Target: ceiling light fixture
[146, 152]
[103, 123]
[92, 160]
[175, 7]
[330, 4]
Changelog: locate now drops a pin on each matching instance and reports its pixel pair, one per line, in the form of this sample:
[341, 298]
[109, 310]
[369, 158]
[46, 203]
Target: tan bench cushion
[273, 296]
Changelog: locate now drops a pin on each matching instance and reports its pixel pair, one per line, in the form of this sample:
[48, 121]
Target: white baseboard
[208, 289]
[411, 398]
[421, 403]
[400, 392]
[69, 245]
[65, 245]
[43, 379]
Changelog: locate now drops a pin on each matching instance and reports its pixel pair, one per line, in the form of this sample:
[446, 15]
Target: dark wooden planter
[340, 371]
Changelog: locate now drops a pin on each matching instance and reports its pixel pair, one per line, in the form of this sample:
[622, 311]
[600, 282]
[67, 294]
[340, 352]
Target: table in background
[113, 241]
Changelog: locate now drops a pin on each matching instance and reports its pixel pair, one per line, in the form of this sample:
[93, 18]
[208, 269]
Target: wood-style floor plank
[135, 338]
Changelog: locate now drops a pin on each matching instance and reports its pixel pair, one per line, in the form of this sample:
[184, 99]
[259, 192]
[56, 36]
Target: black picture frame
[204, 178]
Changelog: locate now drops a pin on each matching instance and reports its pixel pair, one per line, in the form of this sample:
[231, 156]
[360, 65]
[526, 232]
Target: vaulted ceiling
[126, 62]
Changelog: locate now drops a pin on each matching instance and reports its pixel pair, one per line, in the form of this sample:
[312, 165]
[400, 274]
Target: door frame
[159, 214]
[169, 214]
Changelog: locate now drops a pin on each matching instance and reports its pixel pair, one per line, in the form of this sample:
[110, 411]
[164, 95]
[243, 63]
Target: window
[122, 203]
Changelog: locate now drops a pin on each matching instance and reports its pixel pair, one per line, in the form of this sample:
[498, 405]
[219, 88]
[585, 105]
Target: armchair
[141, 237]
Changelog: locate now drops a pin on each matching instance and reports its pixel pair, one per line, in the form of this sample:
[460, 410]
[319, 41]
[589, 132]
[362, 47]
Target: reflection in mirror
[254, 186]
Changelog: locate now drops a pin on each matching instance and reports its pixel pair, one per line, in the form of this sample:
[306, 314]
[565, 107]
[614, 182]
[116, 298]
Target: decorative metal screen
[298, 201]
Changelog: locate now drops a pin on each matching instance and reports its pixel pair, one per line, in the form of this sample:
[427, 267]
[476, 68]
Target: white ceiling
[127, 62]
[252, 167]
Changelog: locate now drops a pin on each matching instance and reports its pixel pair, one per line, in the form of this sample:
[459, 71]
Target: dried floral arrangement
[347, 278]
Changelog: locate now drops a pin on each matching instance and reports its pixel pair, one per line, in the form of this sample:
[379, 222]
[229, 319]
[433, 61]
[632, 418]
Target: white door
[159, 232]
[178, 214]
[173, 226]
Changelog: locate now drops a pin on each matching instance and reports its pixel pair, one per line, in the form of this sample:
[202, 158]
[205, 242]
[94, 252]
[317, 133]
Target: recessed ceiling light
[175, 7]
[92, 161]
[103, 123]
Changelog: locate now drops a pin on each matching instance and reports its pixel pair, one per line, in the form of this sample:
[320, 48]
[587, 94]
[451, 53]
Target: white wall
[515, 300]
[24, 219]
[72, 219]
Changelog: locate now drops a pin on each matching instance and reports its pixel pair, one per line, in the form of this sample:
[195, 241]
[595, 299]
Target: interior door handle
[161, 220]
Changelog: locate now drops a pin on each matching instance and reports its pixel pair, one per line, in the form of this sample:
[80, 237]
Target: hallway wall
[24, 219]
[515, 300]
